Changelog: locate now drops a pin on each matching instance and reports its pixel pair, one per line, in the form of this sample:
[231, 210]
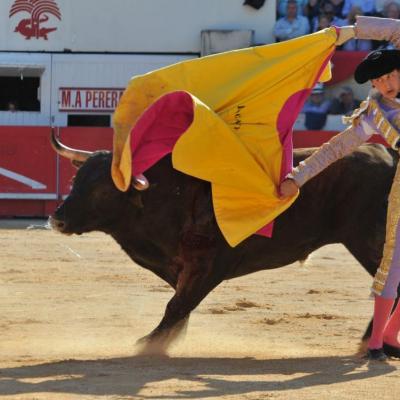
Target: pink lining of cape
[162, 124]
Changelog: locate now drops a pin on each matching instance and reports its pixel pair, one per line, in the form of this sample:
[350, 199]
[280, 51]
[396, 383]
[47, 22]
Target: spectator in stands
[12, 106]
[292, 25]
[337, 7]
[332, 8]
[324, 21]
[328, 10]
[345, 103]
[312, 9]
[380, 6]
[356, 44]
[316, 109]
[367, 7]
[391, 10]
[282, 7]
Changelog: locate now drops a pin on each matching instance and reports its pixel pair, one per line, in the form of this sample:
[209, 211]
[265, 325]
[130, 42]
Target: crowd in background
[318, 107]
[299, 17]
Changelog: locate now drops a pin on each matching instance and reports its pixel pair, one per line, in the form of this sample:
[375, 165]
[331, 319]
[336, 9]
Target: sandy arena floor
[71, 309]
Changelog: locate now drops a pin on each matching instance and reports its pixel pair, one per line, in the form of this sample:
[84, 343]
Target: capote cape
[227, 119]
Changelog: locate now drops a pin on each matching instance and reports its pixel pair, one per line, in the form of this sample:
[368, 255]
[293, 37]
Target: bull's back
[345, 203]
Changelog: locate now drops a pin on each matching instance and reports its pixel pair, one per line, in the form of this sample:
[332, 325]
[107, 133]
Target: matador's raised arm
[373, 28]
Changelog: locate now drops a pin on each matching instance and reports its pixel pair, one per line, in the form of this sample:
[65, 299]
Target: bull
[170, 228]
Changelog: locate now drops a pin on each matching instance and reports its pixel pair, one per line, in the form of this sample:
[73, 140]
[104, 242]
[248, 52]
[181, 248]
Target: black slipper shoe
[376, 355]
[391, 351]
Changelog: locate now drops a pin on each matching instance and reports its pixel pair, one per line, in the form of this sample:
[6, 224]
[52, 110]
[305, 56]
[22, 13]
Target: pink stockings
[392, 329]
[384, 329]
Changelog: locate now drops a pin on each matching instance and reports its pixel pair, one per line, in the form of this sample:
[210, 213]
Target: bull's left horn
[140, 182]
[79, 156]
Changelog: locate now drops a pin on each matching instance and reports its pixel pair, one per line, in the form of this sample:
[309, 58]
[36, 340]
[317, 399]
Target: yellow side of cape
[233, 141]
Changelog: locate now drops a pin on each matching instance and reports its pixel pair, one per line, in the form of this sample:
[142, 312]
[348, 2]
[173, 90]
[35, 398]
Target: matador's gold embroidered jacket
[377, 115]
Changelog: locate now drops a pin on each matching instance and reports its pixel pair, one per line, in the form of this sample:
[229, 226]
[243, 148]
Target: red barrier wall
[344, 64]
[34, 179]
[27, 163]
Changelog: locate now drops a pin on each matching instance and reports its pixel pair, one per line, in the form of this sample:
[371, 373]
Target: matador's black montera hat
[376, 64]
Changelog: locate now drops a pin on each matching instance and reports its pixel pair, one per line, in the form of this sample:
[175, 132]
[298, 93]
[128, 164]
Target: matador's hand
[288, 188]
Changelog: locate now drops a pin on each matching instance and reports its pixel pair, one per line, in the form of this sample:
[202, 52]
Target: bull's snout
[60, 225]
[57, 224]
[57, 220]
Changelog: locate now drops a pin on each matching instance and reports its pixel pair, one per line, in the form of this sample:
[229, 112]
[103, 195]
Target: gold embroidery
[389, 133]
[396, 120]
[386, 130]
[393, 216]
[353, 119]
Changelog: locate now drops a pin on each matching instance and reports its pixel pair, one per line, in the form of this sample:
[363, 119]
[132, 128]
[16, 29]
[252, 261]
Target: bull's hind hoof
[391, 351]
[376, 355]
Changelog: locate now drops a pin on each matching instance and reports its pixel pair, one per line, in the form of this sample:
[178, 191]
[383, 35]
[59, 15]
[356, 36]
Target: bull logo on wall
[39, 11]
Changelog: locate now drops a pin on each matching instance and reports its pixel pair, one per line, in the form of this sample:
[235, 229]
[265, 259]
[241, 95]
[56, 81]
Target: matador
[378, 114]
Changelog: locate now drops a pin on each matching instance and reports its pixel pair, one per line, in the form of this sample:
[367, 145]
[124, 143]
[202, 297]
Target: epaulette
[383, 126]
[353, 119]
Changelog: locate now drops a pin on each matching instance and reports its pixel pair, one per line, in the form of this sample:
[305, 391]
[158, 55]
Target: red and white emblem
[39, 11]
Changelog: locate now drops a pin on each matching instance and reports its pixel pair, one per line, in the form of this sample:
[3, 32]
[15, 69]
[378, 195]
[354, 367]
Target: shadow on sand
[127, 376]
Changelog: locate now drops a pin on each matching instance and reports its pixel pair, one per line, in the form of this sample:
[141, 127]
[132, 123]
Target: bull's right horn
[76, 156]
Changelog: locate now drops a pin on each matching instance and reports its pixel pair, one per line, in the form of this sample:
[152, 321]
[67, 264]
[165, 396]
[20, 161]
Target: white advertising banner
[129, 26]
[89, 99]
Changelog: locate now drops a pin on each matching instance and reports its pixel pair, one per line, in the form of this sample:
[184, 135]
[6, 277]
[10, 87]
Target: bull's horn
[140, 182]
[79, 156]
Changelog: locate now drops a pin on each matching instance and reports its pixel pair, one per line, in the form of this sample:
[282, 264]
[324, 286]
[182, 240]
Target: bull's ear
[77, 164]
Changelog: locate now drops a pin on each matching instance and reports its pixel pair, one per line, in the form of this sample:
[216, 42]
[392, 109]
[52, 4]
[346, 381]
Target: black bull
[170, 228]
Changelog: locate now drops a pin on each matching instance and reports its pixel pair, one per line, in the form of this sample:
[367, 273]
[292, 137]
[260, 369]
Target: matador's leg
[387, 279]
[388, 274]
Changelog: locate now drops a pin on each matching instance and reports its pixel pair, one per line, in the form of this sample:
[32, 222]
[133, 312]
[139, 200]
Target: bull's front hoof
[152, 345]
[376, 355]
[391, 351]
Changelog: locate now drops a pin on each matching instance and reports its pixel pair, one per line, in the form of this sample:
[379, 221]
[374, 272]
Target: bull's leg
[173, 323]
[368, 254]
[196, 278]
